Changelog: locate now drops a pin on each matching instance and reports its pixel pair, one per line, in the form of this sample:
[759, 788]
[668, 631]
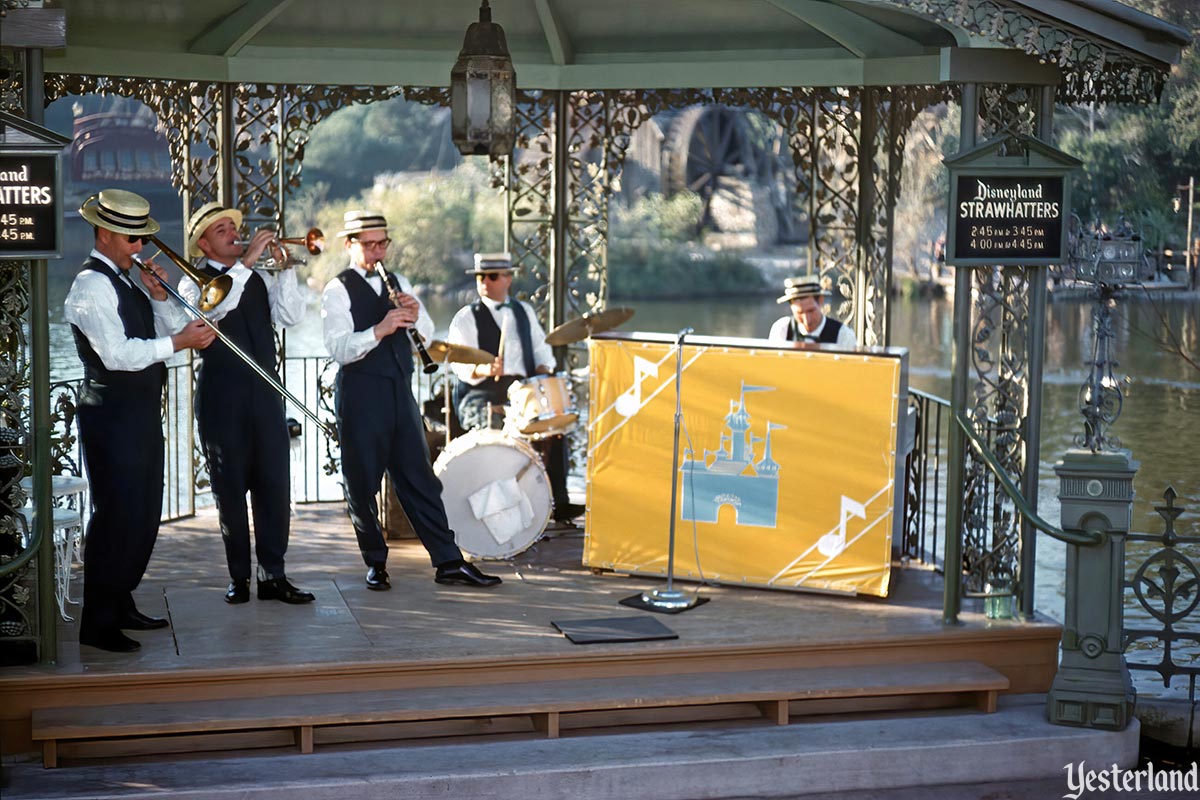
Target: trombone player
[241, 419]
[124, 330]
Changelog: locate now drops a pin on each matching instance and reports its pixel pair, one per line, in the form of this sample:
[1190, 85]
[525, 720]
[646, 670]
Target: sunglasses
[133, 237]
[492, 276]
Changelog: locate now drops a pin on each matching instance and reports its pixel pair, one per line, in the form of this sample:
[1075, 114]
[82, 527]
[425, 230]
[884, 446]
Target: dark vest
[488, 335]
[133, 307]
[393, 356]
[249, 326]
[829, 334]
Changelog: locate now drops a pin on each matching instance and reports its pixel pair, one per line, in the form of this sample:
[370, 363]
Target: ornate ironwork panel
[18, 605]
[998, 408]
[1006, 106]
[529, 187]
[1093, 69]
[1161, 596]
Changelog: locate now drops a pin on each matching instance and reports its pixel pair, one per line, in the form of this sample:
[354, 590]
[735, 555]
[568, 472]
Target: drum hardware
[418, 342]
[580, 328]
[541, 406]
[447, 354]
[211, 293]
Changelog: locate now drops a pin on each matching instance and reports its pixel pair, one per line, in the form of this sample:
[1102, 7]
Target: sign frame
[21, 138]
[1010, 156]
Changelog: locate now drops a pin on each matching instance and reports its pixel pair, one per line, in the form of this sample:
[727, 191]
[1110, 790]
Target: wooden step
[544, 701]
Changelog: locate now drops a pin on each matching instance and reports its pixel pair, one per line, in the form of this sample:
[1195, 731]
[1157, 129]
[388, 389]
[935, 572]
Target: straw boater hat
[204, 218]
[492, 262]
[119, 211]
[796, 288]
[359, 221]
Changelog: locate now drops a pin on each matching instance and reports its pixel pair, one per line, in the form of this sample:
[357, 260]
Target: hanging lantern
[483, 87]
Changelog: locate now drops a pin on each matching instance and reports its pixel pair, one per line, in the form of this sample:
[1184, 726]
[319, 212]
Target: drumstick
[500, 349]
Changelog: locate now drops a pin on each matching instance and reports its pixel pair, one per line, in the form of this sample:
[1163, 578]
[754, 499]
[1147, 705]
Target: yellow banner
[787, 464]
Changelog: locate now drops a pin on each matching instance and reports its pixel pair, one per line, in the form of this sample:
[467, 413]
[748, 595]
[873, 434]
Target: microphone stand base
[664, 600]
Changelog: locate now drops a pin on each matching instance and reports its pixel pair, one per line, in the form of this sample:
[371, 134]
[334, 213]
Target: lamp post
[483, 86]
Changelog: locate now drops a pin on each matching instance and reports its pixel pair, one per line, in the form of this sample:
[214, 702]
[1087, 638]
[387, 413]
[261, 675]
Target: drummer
[508, 329]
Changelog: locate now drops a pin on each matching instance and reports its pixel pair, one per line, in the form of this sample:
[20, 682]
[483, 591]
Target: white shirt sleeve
[91, 306]
[345, 345]
[846, 337]
[463, 331]
[779, 329]
[543, 354]
[286, 299]
[425, 324]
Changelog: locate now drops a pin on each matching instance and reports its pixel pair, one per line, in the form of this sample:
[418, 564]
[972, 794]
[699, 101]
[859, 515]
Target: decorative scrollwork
[1100, 396]
[1166, 590]
[1093, 70]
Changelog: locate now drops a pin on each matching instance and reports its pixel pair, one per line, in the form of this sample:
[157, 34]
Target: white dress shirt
[345, 344]
[779, 332]
[283, 293]
[91, 306]
[463, 331]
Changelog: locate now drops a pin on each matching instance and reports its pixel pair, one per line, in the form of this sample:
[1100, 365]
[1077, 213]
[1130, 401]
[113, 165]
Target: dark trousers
[381, 431]
[472, 405]
[123, 453]
[244, 435]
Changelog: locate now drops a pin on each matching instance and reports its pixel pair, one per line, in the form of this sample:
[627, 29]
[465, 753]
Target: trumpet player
[124, 330]
[241, 419]
[379, 426]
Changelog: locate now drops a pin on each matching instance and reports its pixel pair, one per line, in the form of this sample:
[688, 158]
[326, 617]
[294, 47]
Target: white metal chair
[68, 531]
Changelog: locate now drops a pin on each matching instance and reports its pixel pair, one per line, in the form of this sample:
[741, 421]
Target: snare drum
[543, 405]
[496, 493]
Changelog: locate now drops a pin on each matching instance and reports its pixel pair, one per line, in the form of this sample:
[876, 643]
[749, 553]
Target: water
[1160, 411]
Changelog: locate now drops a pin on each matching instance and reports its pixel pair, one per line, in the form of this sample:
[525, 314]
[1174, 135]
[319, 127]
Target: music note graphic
[831, 544]
[630, 401]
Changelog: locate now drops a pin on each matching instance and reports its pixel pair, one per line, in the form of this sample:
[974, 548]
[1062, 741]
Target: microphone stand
[671, 599]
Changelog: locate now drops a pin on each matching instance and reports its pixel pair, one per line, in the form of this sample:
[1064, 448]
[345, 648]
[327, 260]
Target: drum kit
[494, 486]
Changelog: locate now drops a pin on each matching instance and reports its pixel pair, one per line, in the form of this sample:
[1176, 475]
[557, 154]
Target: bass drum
[496, 493]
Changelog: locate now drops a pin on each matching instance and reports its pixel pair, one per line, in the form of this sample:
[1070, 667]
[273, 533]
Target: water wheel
[707, 149]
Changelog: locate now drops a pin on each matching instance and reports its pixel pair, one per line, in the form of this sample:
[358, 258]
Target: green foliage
[668, 219]
[437, 221]
[349, 148]
[651, 253]
[646, 269]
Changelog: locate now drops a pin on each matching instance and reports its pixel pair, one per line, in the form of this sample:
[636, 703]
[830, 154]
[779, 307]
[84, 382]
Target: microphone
[683, 333]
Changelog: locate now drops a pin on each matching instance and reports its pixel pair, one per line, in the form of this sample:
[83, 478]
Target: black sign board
[30, 206]
[1010, 198]
[30, 190]
[1004, 218]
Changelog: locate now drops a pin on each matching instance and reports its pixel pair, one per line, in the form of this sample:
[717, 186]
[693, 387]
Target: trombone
[276, 259]
[212, 292]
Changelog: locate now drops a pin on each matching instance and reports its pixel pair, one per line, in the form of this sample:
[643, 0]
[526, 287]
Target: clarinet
[428, 365]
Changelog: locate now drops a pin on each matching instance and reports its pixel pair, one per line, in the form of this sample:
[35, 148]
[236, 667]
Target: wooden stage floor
[419, 620]
[423, 634]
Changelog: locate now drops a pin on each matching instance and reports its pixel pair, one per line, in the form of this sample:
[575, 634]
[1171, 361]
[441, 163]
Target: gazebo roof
[1098, 49]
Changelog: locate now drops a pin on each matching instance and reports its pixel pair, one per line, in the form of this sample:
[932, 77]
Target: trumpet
[211, 294]
[276, 259]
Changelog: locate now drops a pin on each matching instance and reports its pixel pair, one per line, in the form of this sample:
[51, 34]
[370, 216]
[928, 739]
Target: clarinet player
[379, 425]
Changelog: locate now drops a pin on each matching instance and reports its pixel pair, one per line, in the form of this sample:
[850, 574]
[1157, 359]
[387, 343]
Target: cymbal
[580, 328]
[458, 353]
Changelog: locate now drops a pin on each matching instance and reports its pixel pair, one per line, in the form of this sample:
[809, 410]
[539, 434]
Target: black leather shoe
[137, 621]
[282, 589]
[238, 592]
[112, 640]
[377, 579]
[465, 574]
[568, 512]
